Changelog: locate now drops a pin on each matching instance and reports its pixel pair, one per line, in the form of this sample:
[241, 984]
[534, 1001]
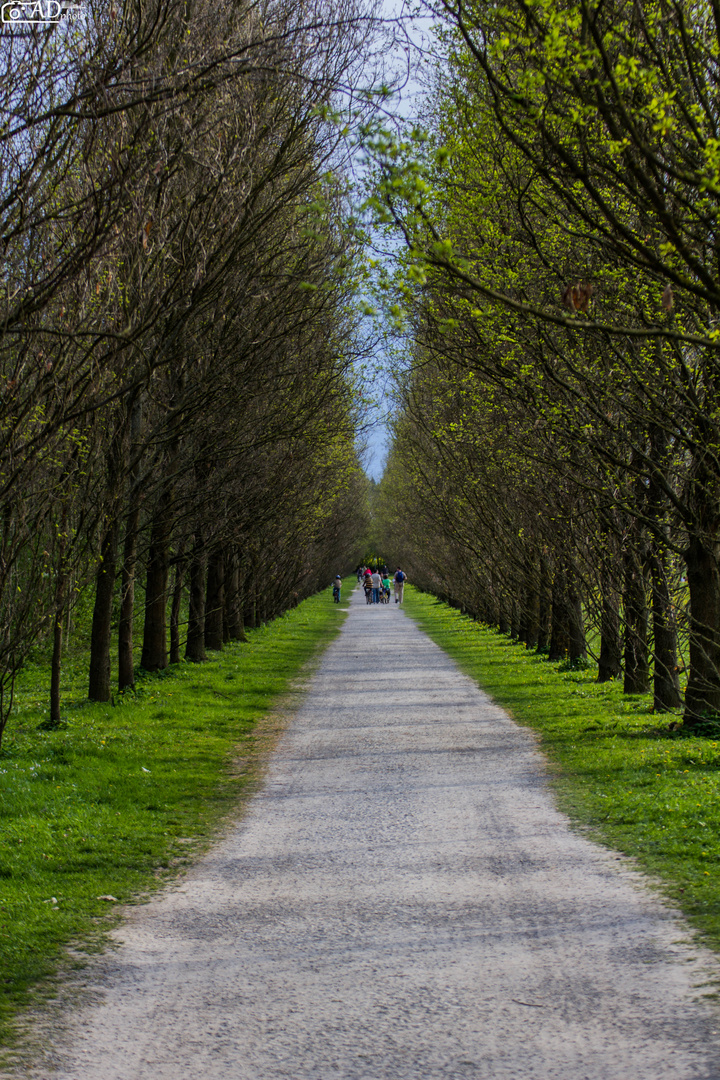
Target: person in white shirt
[376, 586]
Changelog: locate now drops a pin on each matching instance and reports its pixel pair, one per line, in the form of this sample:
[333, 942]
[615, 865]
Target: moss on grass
[643, 788]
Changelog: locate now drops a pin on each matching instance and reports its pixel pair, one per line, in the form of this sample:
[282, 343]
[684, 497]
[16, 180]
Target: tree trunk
[249, 608]
[68, 618]
[195, 645]
[515, 620]
[610, 662]
[60, 600]
[576, 627]
[637, 668]
[559, 627]
[531, 608]
[175, 608]
[227, 574]
[215, 600]
[489, 612]
[544, 605]
[154, 652]
[233, 606]
[99, 681]
[261, 609]
[56, 662]
[702, 696]
[126, 664]
[666, 683]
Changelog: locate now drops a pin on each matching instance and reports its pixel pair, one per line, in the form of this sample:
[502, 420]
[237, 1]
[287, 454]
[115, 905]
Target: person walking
[337, 586]
[376, 586]
[400, 579]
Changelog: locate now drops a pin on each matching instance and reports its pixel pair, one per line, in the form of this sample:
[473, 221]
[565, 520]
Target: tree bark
[702, 696]
[261, 608]
[503, 618]
[515, 620]
[99, 681]
[175, 608]
[249, 606]
[154, 652]
[531, 608]
[56, 662]
[488, 606]
[559, 626]
[233, 606]
[215, 600]
[666, 683]
[249, 613]
[126, 664]
[60, 601]
[610, 661]
[544, 605]
[578, 647]
[195, 645]
[637, 668]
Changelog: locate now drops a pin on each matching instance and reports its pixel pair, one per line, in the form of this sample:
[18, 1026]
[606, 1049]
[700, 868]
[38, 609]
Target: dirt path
[401, 901]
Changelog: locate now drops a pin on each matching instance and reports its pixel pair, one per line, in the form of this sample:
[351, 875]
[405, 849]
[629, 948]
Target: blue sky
[416, 31]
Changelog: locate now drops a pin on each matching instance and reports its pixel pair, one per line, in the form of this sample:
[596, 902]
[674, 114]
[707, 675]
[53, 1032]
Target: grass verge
[103, 810]
[642, 789]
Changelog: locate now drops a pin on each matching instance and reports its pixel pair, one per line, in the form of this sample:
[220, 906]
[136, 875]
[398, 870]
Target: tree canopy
[178, 400]
[557, 425]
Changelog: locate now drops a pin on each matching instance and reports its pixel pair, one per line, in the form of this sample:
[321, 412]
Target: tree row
[557, 431]
[177, 403]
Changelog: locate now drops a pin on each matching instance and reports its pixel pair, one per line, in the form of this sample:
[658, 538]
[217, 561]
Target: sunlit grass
[644, 789]
[122, 794]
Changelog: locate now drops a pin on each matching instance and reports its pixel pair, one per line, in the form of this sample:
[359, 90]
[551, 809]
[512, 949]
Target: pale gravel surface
[401, 900]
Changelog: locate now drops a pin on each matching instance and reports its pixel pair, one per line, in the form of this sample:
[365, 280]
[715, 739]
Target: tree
[567, 260]
[177, 265]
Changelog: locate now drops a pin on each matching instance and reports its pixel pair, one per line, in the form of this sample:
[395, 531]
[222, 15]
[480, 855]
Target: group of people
[376, 584]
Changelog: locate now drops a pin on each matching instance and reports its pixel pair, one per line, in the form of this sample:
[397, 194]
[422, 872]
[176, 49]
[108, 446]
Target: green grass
[618, 768]
[122, 796]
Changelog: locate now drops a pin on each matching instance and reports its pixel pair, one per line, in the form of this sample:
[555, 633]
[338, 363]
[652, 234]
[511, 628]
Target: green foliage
[648, 790]
[558, 389]
[119, 798]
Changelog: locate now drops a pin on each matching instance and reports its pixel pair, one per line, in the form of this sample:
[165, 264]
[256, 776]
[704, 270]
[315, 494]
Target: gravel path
[400, 901]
